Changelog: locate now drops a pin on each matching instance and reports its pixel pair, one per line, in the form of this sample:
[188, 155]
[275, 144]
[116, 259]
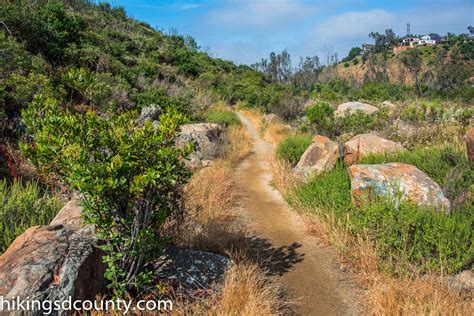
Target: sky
[244, 31]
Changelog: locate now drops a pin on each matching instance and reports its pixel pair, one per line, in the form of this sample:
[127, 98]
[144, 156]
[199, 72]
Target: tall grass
[23, 205]
[224, 117]
[292, 148]
[406, 238]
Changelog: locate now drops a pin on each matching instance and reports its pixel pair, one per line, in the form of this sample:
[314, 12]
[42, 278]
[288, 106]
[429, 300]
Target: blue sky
[244, 31]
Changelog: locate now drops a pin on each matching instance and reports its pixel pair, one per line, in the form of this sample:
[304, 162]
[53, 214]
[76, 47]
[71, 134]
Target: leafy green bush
[357, 123]
[225, 118]
[404, 236]
[130, 178]
[23, 205]
[379, 91]
[321, 116]
[292, 148]
[423, 111]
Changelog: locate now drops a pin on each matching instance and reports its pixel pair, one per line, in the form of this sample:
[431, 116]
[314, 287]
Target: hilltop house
[430, 39]
[412, 42]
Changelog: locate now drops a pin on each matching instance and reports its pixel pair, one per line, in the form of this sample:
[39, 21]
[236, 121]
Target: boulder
[463, 281]
[470, 145]
[353, 107]
[395, 180]
[192, 269]
[151, 113]
[365, 144]
[391, 107]
[270, 118]
[53, 262]
[320, 156]
[208, 139]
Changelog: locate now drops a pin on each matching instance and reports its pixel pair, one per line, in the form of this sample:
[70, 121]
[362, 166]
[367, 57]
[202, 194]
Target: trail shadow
[274, 260]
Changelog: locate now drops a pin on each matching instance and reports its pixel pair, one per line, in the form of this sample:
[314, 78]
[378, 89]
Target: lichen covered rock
[396, 180]
[208, 139]
[192, 269]
[349, 108]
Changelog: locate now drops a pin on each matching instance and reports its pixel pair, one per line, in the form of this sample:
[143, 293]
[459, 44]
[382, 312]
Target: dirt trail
[307, 269]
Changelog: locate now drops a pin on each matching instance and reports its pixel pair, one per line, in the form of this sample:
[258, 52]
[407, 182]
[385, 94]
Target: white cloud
[265, 14]
[353, 25]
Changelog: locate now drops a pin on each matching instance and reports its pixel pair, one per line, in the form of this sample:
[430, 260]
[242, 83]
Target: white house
[431, 39]
[410, 41]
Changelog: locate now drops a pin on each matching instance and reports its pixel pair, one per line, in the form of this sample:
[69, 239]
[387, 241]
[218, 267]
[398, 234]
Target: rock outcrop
[365, 144]
[320, 156]
[470, 145]
[193, 269]
[463, 281]
[54, 262]
[208, 139]
[151, 113]
[395, 180]
[348, 108]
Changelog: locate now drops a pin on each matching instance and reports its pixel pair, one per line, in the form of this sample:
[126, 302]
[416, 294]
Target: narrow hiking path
[307, 269]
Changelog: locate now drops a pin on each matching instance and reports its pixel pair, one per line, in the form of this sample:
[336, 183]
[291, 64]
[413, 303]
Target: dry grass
[254, 115]
[282, 176]
[212, 225]
[275, 132]
[239, 145]
[245, 291]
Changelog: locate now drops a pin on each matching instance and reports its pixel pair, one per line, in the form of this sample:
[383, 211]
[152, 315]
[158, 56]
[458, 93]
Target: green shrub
[292, 148]
[403, 236]
[225, 118]
[321, 116]
[130, 178]
[46, 28]
[358, 123]
[23, 205]
[423, 111]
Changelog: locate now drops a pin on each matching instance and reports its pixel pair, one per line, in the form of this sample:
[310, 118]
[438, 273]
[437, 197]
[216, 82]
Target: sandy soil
[307, 269]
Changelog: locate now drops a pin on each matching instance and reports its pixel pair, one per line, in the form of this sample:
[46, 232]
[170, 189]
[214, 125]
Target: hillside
[135, 168]
[395, 69]
[95, 57]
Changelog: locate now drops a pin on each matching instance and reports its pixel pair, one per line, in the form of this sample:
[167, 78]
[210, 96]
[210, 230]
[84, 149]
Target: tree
[307, 73]
[385, 41]
[277, 68]
[353, 53]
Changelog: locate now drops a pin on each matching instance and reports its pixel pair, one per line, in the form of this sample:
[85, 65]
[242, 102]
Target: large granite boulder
[365, 144]
[320, 156]
[470, 145]
[208, 139]
[395, 180]
[348, 108]
[463, 281]
[53, 262]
